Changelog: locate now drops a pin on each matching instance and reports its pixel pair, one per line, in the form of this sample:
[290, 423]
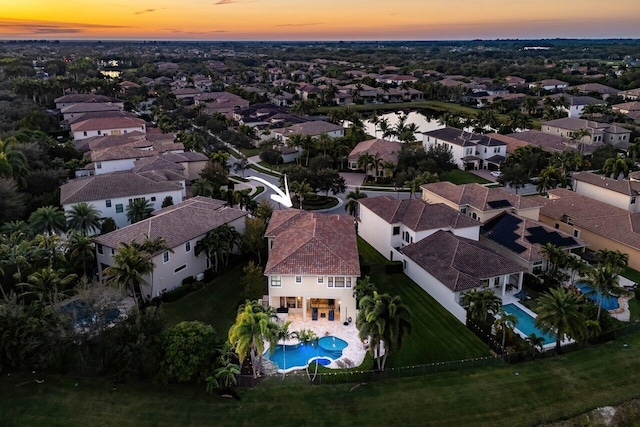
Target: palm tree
[536, 343]
[80, 250]
[242, 164]
[48, 284]
[384, 320]
[139, 209]
[385, 129]
[616, 260]
[605, 282]
[616, 166]
[48, 219]
[366, 162]
[202, 187]
[282, 333]
[83, 217]
[547, 180]
[307, 144]
[13, 163]
[530, 105]
[225, 376]
[505, 322]
[211, 245]
[554, 256]
[481, 305]
[130, 266]
[301, 190]
[363, 288]
[253, 326]
[559, 313]
[352, 201]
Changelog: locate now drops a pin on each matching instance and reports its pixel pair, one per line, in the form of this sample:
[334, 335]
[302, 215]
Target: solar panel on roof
[539, 235]
[497, 204]
[503, 231]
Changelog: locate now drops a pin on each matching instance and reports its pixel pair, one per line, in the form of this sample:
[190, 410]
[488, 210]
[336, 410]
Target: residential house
[75, 110]
[521, 240]
[601, 225]
[110, 194]
[123, 158]
[599, 133]
[469, 150]
[630, 95]
[390, 224]
[111, 125]
[396, 79]
[387, 151]
[603, 91]
[78, 98]
[515, 81]
[447, 266]
[181, 226]
[313, 129]
[627, 107]
[548, 142]
[480, 202]
[220, 102]
[313, 264]
[127, 86]
[623, 193]
[577, 103]
[550, 85]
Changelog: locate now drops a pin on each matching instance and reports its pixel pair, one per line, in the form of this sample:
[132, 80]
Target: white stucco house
[111, 193]
[390, 224]
[110, 125]
[181, 226]
[469, 150]
[622, 193]
[313, 129]
[313, 264]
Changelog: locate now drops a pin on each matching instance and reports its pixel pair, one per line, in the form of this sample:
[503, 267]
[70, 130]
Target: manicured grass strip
[458, 176]
[215, 304]
[531, 393]
[631, 274]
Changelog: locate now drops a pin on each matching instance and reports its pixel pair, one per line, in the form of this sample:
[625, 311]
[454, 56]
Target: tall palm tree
[80, 250]
[83, 217]
[559, 313]
[505, 323]
[366, 162]
[139, 209]
[13, 163]
[555, 256]
[363, 288]
[253, 326]
[48, 284]
[211, 245]
[384, 320]
[536, 343]
[547, 180]
[48, 219]
[202, 187]
[352, 201]
[616, 166]
[481, 305]
[605, 282]
[130, 266]
[616, 260]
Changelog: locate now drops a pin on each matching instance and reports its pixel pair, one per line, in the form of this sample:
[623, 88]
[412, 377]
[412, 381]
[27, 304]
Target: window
[187, 247]
[537, 267]
[633, 200]
[113, 251]
[182, 267]
[100, 249]
[276, 281]
[569, 220]
[557, 226]
[348, 282]
[576, 232]
[496, 149]
[98, 165]
[406, 236]
[396, 230]
[99, 132]
[119, 208]
[485, 149]
[153, 198]
[84, 133]
[320, 280]
[463, 211]
[330, 282]
[474, 216]
[339, 282]
[404, 264]
[108, 203]
[298, 279]
[165, 257]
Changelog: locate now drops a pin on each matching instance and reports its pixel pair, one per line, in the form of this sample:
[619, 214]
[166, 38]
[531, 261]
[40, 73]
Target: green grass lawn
[249, 152]
[530, 393]
[437, 335]
[458, 176]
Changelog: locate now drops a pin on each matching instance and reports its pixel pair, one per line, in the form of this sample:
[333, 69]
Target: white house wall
[439, 292]
[121, 217]
[109, 166]
[79, 135]
[377, 232]
[607, 196]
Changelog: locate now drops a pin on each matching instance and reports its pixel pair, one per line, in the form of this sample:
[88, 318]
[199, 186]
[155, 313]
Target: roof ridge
[89, 179]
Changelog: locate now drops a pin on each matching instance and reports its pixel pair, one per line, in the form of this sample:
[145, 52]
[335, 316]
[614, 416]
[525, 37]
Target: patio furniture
[314, 314]
[340, 363]
[348, 362]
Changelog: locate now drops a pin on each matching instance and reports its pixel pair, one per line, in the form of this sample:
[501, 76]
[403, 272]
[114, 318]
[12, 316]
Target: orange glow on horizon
[332, 20]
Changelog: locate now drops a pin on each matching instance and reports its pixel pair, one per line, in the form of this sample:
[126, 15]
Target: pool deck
[354, 352]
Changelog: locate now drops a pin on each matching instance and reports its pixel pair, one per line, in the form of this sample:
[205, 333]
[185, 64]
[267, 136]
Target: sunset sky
[317, 20]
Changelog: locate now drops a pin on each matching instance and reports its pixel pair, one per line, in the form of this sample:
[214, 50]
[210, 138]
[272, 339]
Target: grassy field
[458, 176]
[525, 394]
[437, 335]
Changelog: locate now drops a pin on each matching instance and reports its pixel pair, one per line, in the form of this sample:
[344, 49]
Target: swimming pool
[298, 356]
[608, 302]
[84, 315]
[526, 323]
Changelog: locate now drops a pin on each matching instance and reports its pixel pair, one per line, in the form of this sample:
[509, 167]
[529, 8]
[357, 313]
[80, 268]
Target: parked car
[497, 174]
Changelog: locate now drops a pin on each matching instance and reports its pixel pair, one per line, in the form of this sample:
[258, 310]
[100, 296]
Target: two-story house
[86, 127]
[598, 133]
[469, 150]
[313, 264]
[387, 151]
[313, 129]
[181, 226]
[623, 193]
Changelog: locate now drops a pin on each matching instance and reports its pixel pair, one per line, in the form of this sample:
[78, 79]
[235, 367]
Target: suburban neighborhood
[249, 219]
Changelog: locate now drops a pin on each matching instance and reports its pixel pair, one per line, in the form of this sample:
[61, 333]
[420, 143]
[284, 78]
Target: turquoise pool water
[526, 323]
[300, 355]
[608, 302]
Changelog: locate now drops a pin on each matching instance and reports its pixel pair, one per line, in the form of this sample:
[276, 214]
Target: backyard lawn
[437, 335]
[529, 393]
[458, 176]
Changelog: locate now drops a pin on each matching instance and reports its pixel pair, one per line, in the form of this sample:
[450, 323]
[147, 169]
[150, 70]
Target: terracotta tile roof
[84, 97]
[381, 148]
[480, 197]
[417, 214]
[546, 141]
[310, 128]
[458, 263]
[85, 107]
[598, 217]
[525, 237]
[131, 151]
[177, 224]
[155, 163]
[463, 138]
[110, 186]
[312, 244]
[622, 186]
[106, 123]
